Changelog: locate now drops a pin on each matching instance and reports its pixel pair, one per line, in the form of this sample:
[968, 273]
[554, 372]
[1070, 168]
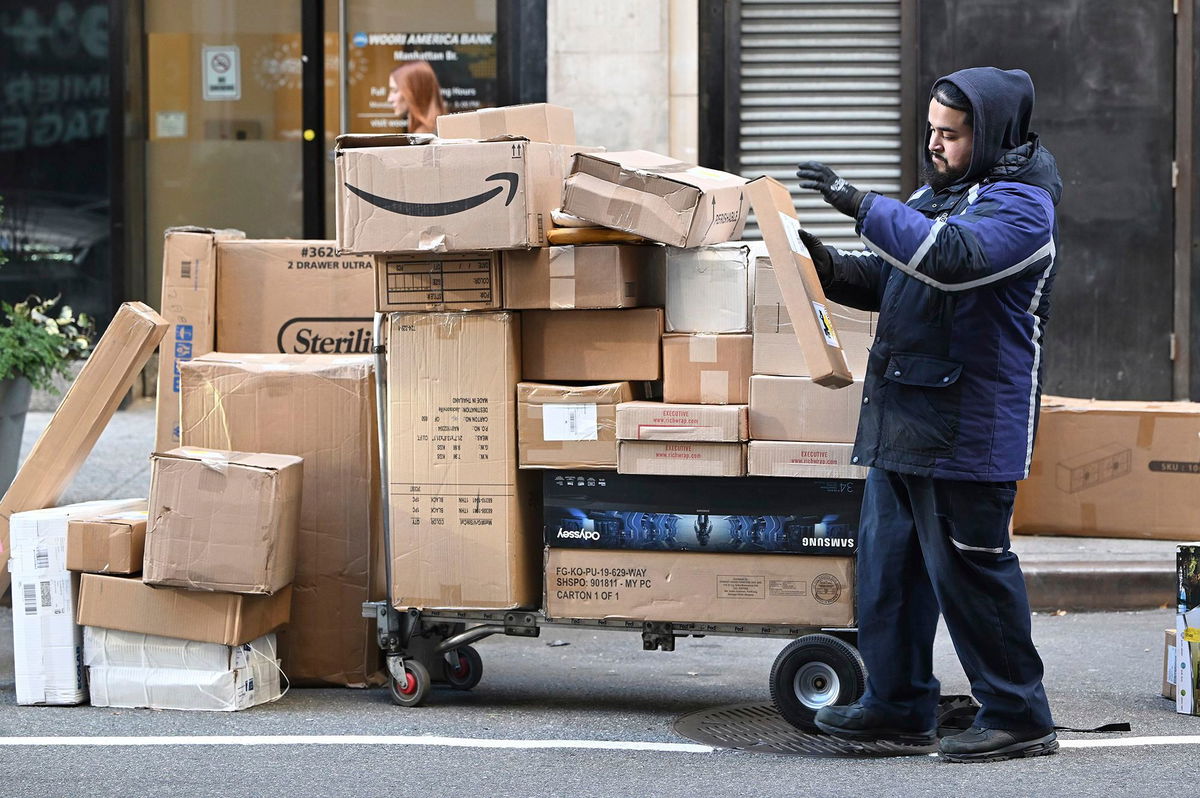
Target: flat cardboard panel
[682, 458]
[594, 276]
[1113, 469]
[65, 443]
[564, 426]
[708, 289]
[703, 587]
[797, 409]
[592, 345]
[460, 536]
[552, 124]
[320, 408]
[110, 544]
[799, 284]
[707, 369]
[298, 297]
[808, 459]
[222, 520]
[453, 281]
[656, 421]
[116, 602]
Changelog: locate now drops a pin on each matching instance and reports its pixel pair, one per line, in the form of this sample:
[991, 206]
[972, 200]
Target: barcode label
[185, 269]
[41, 558]
[47, 600]
[30, 591]
[569, 422]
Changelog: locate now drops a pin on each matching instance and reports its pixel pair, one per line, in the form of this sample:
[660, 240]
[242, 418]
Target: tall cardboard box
[656, 197]
[407, 281]
[400, 193]
[553, 124]
[682, 458]
[592, 345]
[222, 520]
[682, 587]
[189, 302]
[709, 289]
[803, 459]
[320, 408]
[298, 297]
[595, 276]
[459, 524]
[707, 369]
[656, 421]
[112, 543]
[777, 351]
[797, 409]
[799, 284]
[569, 426]
[1113, 469]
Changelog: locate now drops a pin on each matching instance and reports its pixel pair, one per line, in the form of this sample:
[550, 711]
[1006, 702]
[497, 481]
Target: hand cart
[821, 666]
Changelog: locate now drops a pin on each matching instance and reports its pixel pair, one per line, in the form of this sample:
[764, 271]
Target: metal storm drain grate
[760, 729]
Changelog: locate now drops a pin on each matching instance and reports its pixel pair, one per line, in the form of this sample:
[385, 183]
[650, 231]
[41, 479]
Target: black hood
[1030, 163]
[1001, 103]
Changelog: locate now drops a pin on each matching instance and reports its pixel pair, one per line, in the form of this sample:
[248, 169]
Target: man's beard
[939, 180]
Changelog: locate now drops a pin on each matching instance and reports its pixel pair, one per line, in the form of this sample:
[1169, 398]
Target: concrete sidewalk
[1063, 573]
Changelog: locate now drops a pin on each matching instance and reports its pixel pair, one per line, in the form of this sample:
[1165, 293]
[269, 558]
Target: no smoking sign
[222, 73]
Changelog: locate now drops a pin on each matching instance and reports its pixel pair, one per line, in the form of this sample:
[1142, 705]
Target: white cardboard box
[708, 289]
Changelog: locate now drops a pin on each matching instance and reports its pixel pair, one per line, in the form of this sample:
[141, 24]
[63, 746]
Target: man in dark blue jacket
[960, 276]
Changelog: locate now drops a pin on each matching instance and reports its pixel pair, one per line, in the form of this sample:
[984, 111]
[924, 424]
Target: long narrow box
[109, 544]
[553, 124]
[459, 523]
[656, 421]
[320, 408]
[606, 510]
[682, 458]
[807, 459]
[708, 289]
[799, 284]
[708, 588]
[569, 426]
[797, 409]
[408, 282]
[707, 369]
[592, 345]
[595, 276]
[65, 443]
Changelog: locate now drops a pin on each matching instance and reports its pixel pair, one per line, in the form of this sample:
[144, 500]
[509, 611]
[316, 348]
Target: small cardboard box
[569, 426]
[777, 350]
[108, 544]
[682, 458]
[596, 276]
[799, 284]
[1169, 665]
[224, 521]
[656, 421]
[707, 369]
[231, 619]
[552, 124]
[592, 345]
[682, 587]
[656, 197]
[809, 459]
[708, 289]
[797, 409]
[402, 193]
[1113, 469]
[406, 282]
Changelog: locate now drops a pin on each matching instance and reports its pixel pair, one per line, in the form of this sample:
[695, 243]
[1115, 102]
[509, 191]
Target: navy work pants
[928, 545]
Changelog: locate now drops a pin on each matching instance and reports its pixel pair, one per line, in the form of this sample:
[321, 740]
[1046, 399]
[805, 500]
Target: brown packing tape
[562, 277]
[1145, 433]
[714, 387]
[624, 213]
[702, 349]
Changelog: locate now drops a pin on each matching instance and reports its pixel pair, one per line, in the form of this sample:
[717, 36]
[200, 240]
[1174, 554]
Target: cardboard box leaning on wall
[594, 276]
[569, 426]
[708, 289]
[591, 345]
[544, 122]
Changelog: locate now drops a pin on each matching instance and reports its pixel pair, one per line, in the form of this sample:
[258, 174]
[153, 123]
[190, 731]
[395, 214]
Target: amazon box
[708, 289]
[569, 426]
[552, 124]
[707, 369]
[223, 521]
[807, 459]
[592, 345]
[1113, 469]
[797, 409]
[406, 282]
[798, 283]
[656, 197]
[777, 350]
[107, 544]
[597, 276]
[411, 193]
[682, 458]
[656, 421]
[751, 590]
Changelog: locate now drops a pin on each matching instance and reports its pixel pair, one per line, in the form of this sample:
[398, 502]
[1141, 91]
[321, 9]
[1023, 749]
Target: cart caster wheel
[463, 667]
[815, 671]
[415, 687]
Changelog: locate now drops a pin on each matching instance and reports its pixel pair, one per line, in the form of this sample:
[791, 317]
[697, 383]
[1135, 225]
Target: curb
[1093, 586]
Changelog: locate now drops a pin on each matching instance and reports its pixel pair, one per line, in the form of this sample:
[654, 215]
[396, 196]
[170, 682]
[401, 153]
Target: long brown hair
[421, 90]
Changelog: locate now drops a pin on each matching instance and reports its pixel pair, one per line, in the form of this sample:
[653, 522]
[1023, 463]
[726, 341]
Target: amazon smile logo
[442, 208]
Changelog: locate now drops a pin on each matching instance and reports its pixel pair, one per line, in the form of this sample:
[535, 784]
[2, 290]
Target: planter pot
[14, 404]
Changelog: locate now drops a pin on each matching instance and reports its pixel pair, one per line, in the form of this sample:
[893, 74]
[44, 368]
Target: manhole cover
[760, 728]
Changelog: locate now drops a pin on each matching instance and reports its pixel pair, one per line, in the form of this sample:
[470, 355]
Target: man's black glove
[820, 256]
[836, 191]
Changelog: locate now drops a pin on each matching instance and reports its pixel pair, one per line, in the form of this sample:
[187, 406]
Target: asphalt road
[602, 687]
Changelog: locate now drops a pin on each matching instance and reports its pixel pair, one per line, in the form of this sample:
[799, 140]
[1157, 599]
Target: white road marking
[1129, 742]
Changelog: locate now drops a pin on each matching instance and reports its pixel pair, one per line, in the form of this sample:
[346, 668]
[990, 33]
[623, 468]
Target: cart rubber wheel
[413, 691]
[464, 667]
[815, 671]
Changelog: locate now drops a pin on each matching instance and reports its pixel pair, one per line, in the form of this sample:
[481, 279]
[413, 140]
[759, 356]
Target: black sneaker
[856, 722]
[978, 744]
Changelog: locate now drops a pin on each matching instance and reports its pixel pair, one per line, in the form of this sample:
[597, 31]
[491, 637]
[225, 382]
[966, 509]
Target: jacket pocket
[923, 400]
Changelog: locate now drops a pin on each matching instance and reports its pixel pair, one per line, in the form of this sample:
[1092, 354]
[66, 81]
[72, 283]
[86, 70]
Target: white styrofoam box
[708, 289]
[106, 648]
[47, 645]
[135, 687]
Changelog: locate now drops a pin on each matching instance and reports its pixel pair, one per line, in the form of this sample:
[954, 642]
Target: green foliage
[37, 345]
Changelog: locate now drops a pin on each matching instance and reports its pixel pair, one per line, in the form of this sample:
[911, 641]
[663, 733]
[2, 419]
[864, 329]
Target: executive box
[682, 458]
[656, 421]
[803, 459]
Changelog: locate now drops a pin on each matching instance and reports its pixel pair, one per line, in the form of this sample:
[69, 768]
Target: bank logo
[360, 39]
[426, 209]
[325, 336]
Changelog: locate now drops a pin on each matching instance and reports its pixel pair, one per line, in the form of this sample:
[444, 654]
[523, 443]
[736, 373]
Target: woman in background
[414, 91]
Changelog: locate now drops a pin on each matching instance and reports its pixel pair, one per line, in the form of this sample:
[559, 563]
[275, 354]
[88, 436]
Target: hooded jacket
[961, 279]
